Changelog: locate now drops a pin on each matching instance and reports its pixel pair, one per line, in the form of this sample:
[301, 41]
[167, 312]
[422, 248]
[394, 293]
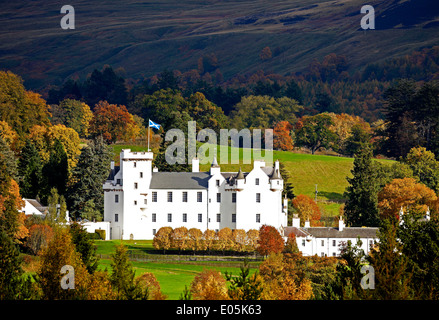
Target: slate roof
[179, 180]
[328, 232]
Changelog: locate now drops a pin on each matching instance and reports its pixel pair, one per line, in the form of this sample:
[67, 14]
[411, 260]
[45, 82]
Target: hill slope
[146, 37]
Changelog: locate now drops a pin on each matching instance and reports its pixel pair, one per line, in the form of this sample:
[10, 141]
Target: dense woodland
[57, 149]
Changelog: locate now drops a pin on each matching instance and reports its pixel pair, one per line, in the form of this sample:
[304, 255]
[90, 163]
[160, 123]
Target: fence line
[144, 257]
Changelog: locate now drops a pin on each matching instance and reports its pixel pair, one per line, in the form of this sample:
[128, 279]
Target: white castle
[139, 200]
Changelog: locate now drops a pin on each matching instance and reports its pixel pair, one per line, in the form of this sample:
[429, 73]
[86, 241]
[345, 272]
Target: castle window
[199, 196]
[154, 196]
[217, 183]
[135, 164]
[135, 185]
[117, 181]
[200, 217]
[169, 217]
[116, 198]
[184, 217]
[135, 202]
[169, 196]
[323, 242]
[218, 217]
[154, 231]
[234, 217]
[258, 217]
[154, 217]
[333, 243]
[233, 197]
[218, 197]
[257, 181]
[258, 197]
[184, 196]
[303, 243]
[116, 217]
[141, 174]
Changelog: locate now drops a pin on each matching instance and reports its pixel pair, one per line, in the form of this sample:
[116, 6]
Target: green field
[173, 276]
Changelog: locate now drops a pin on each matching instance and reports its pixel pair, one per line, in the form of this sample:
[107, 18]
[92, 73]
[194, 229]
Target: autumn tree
[265, 54]
[225, 239]
[44, 138]
[39, 237]
[270, 241]
[282, 139]
[180, 238]
[209, 238]
[73, 114]
[209, 285]
[11, 219]
[282, 281]
[20, 108]
[58, 253]
[147, 282]
[406, 194]
[162, 239]
[307, 209]
[113, 122]
[195, 239]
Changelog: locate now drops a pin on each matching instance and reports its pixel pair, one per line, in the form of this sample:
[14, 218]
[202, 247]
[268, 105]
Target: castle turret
[240, 180]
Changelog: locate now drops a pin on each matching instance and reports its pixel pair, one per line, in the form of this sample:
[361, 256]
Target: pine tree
[30, 170]
[122, 276]
[361, 208]
[89, 175]
[55, 172]
[10, 268]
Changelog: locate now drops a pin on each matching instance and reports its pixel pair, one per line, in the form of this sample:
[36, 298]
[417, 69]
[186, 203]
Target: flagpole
[148, 133]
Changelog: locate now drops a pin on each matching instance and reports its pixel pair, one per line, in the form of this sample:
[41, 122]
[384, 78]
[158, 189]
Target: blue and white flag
[154, 125]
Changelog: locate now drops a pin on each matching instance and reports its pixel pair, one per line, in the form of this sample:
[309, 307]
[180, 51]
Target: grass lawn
[172, 276]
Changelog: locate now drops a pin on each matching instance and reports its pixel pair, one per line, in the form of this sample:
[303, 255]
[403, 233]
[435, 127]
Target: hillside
[144, 38]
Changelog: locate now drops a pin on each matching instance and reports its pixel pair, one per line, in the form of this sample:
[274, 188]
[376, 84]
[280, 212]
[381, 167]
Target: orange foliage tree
[113, 122]
[39, 237]
[270, 241]
[405, 193]
[282, 136]
[307, 209]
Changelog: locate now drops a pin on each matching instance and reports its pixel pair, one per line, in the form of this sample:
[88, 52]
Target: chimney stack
[195, 165]
[341, 224]
[296, 221]
[307, 225]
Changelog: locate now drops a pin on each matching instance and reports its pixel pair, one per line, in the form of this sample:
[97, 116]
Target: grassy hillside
[146, 37]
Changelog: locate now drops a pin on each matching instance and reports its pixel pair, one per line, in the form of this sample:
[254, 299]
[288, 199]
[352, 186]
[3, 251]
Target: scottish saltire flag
[154, 125]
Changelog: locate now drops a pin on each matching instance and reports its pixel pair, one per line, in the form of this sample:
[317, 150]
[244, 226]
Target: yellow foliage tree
[405, 193]
[44, 137]
[209, 285]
